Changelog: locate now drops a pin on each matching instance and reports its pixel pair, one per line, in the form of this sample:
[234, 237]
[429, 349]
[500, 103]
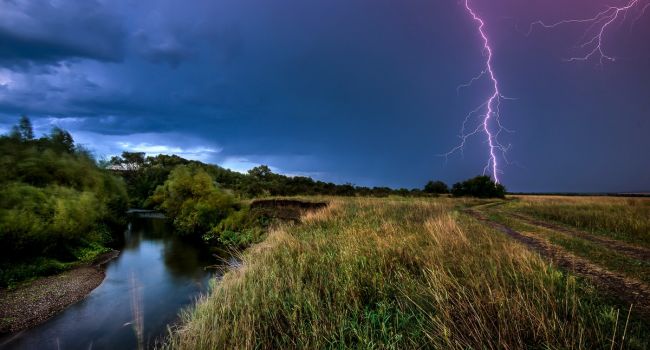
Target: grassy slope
[391, 273]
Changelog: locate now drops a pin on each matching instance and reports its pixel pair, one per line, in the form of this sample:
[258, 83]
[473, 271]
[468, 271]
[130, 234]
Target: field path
[637, 252]
[628, 290]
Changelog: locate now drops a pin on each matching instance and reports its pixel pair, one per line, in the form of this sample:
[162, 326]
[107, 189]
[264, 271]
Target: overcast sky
[340, 90]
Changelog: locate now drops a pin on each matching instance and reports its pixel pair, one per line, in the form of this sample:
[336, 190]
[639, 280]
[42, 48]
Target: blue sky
[340, 90]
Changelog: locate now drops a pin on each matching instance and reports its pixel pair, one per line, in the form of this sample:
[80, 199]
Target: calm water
[156, 275]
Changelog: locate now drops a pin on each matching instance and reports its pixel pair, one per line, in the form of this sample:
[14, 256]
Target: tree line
[143, 174]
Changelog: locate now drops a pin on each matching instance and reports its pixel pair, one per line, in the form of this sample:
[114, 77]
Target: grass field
[625, 219]
[423, 273]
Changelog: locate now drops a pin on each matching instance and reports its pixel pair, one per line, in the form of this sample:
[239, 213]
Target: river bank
[34, 302]
[402, 273]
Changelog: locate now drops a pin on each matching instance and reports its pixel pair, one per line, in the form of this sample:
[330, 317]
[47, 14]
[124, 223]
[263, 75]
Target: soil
[627, 290]
[34, 302]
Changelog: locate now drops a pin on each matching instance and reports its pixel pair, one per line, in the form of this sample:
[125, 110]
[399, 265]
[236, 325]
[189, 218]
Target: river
[155, 276]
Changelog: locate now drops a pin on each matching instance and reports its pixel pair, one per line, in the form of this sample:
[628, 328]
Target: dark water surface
[155, 276]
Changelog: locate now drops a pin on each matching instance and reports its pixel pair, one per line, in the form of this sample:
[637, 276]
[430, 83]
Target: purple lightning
[597, 28]
[491, 117]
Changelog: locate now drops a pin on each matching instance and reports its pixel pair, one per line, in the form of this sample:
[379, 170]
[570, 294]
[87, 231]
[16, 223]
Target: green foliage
[25, 128]
[191, 197]
[238, 238]
[143, 175]
[240, 229]
[436, 187]
[479, 186]
[197, 206]
[12, 273]
[54, 200]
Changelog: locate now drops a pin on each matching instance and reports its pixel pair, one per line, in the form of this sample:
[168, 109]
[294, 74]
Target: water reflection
[161, 271]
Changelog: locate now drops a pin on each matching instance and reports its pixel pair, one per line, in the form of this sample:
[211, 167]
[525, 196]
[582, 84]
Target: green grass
[625, 219]
[593, 252]
[395, 273]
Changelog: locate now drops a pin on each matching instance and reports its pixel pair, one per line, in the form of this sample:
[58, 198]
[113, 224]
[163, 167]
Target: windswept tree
[23, 130]
[62, 140]
[26, 129]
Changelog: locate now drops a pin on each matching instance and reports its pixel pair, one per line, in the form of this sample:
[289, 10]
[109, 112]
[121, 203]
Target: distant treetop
[479, 186]
[436, 187]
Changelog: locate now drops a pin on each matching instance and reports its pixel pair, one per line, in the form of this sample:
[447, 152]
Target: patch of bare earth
[629, 291]
[34, 302]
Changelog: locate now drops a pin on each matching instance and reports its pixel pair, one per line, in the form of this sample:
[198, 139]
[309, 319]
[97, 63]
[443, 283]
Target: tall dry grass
[381, 273]
[627, 219]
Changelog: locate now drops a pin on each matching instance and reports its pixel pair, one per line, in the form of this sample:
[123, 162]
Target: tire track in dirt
[628, 290]
[618, 246]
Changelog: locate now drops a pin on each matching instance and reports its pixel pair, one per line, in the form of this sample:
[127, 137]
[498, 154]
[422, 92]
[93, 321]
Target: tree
[23, 130]
[192, 199]
[62, 139]
[436, 187]
[262, 172]
[56, 205]
[479, 186]
[130, 161]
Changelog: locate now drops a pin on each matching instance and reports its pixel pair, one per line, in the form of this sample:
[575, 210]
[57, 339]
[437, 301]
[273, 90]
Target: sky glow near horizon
[344, 91]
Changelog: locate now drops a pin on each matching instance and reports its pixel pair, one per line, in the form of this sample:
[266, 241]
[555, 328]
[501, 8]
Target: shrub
[191, 198]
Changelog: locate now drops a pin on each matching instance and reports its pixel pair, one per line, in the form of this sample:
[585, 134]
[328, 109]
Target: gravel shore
[34, 302]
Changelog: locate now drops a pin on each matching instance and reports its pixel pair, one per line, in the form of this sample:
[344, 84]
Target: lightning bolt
[488, 112]
[597, 28]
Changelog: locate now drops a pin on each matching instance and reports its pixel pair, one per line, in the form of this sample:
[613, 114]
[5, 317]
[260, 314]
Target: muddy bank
[34, 302]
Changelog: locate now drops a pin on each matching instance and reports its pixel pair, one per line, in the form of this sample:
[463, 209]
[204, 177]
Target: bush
[241, 228]
[480, 186]
[191, 198]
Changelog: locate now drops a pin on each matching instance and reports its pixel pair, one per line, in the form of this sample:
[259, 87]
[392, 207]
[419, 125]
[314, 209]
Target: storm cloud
[350, 91]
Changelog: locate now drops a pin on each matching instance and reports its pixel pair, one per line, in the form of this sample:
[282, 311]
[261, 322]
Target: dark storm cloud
[348, 90]
[169, 52]
[36, 32]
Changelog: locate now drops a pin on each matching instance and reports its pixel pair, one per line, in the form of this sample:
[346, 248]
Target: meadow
[625, 219]
[434, 273]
